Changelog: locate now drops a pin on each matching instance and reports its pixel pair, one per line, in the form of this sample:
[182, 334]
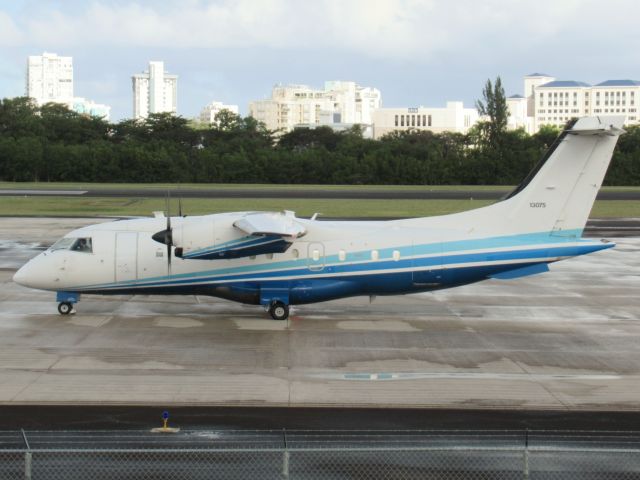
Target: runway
[566, 340]
[299, 191]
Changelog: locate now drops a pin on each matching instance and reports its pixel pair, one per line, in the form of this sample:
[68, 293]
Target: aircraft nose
[24, 275]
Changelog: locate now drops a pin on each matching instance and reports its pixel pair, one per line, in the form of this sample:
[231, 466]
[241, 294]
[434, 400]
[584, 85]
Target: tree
[494, 107]
[547, 135]
[52, 143]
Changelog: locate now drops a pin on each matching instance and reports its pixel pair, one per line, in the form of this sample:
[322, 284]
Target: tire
[279, 311]
[65, 308]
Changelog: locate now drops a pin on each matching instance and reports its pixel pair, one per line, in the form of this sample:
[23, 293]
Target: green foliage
[494, 109]
[51, 143]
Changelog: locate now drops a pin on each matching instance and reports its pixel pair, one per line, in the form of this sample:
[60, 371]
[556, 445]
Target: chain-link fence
[309, 455]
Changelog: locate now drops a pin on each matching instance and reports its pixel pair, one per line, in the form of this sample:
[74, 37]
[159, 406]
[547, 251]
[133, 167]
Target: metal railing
[313, 455]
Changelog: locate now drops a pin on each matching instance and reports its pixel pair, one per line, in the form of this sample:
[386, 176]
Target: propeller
[166, 236]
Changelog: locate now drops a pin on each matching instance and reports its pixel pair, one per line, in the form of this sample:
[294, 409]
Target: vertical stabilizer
[556, 196]
[559, 193]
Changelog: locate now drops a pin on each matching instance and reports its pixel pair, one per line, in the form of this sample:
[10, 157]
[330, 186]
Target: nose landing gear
[279, 310]
[65, 308]
[67, 300]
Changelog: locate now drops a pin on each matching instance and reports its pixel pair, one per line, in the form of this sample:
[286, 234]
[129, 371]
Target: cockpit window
[75, 244]
[63, 244]
[82, 245]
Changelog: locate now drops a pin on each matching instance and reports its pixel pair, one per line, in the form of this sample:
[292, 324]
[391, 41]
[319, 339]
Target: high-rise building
[49, 78]
[154, 91]
[339, 105]
[208, 113]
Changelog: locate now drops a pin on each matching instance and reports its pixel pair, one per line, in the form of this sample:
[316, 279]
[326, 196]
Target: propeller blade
[168, 210]
[168, 238]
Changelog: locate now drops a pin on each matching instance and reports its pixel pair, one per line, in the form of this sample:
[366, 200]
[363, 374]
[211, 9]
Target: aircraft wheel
[65, 308]
[279, 311]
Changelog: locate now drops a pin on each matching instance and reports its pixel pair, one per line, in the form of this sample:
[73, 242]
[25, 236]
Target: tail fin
[558, 194]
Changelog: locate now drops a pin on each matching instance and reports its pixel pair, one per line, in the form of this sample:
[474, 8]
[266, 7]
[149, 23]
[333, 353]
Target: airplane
[276, 259]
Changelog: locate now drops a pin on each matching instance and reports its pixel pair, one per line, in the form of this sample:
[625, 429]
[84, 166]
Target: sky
[416, 52]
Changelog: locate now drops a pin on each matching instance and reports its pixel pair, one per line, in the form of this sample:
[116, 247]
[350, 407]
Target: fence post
[526, 456]
[285, 456]
[285, 464]
[27, 465]
[27, 456]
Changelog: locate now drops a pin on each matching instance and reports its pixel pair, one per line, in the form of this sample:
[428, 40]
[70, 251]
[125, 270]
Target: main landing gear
[279, 310]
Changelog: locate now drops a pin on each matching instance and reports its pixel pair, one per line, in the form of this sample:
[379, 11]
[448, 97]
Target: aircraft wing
[271, 224]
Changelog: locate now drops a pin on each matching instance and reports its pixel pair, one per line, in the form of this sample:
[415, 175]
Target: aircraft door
[315, 256]
[126, 256]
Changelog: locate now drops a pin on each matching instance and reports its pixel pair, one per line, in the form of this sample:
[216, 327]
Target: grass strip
[123, 206]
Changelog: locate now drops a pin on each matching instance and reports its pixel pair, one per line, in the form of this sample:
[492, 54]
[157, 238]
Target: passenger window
[342, 255]
[396, 255]
[82, 245]
[374, 255]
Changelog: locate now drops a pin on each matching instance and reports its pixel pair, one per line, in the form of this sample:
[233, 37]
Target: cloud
[10, 34]
[409, 29]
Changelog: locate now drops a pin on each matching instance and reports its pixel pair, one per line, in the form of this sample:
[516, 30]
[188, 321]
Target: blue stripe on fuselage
[377, 267]
[406, 253]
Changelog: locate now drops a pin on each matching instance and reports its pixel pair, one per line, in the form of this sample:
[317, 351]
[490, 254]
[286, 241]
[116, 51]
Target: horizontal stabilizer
[594, 126]
[522, 272]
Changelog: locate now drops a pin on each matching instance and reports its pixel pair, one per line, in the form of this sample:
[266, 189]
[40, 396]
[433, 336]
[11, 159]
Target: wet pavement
[564, 340]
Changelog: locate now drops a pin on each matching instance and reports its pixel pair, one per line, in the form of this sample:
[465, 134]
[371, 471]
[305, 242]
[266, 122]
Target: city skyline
[233, 53]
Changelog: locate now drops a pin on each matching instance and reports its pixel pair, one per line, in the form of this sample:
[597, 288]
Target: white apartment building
[339, 105]
[84, 106]
[49, 78]
[154, 91]
[518, 118]
[554, 102]
[452, 118]
[559, 101]
[208, 113]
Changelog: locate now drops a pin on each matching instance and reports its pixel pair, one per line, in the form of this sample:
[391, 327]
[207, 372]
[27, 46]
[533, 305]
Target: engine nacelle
[218, 239]
[194, 234]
